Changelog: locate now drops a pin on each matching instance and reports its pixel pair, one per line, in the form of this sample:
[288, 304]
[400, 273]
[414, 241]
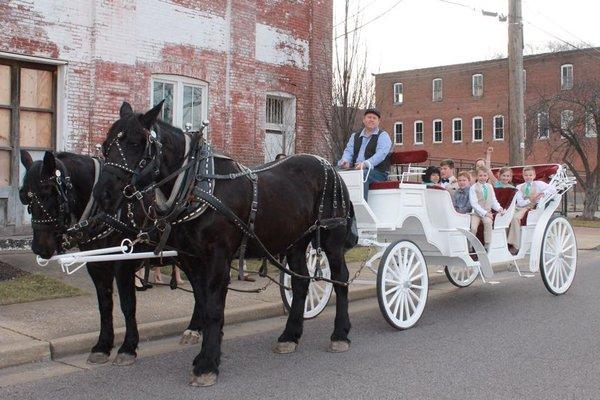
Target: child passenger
[505, 178]
[528, 196]
[460, 197]
[483, 200]
[431, 177]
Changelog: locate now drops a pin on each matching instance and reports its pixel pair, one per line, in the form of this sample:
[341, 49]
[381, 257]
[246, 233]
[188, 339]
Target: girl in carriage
[505, 178]
[431, 176]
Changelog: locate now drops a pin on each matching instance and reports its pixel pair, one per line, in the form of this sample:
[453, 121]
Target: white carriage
[415, 227]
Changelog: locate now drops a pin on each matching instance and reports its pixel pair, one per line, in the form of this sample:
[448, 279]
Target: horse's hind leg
[334, 248]
[102, 276]
[288, 341]
[125, 274]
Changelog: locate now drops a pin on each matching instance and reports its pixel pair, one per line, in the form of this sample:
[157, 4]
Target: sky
[422, 33]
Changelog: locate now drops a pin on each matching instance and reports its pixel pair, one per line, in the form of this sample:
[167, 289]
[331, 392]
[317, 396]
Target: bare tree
[353, 88]
[575, 114]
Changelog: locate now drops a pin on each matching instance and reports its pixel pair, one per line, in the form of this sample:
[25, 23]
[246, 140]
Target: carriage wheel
[461, 276]
[558, 260]
[402, 284]
[319, 292]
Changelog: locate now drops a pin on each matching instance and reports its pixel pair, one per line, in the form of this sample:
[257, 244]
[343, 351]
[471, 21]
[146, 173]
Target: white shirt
[537, 187]
[475, 203]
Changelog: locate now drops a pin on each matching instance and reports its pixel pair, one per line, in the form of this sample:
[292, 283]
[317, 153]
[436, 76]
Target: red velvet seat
[542, 173]
[395, 184]
[408, 157]
[505, 196]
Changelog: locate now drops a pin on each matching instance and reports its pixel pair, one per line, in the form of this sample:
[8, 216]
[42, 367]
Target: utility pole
[516, 105]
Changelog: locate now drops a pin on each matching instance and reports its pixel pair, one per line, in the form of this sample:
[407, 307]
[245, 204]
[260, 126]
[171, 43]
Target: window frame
[441, 130]
[394, 93]
[563, 84]
[396, 124]
[494, 128]
[473, 128]
[590, 126]
[433, 98]
[539, 128]
[415, 132]
[473, 85]
[454, 120]
[179, 81]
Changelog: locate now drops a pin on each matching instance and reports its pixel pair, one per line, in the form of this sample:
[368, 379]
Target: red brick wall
[543, 76]
[113, 48]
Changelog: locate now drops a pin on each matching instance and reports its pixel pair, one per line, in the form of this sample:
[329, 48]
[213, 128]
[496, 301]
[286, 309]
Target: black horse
[53, 205]
[290, 193]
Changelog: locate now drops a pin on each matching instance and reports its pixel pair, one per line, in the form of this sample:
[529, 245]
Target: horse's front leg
[125, 276]
[210, 291]
[339, 272]
[102, 275]
[288, 341]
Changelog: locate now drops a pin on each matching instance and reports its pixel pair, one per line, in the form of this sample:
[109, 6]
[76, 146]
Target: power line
[356, 13]
[372, 19]
[592, 47]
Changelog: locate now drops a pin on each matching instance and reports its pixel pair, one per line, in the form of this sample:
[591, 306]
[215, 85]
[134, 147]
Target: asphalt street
[511, 340]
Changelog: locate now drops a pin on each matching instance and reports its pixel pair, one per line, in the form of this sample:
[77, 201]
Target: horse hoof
[338, 346]
[97, 358]
[124, 359]
[285, 347]
[204, 380]
[189, 337]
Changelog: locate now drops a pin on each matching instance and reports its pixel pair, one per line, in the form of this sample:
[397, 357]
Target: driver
[369, 151]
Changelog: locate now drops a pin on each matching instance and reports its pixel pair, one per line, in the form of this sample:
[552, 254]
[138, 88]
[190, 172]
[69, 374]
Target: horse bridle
[62, 185]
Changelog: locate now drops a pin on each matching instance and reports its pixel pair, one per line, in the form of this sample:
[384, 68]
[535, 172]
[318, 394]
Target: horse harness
[192, 194]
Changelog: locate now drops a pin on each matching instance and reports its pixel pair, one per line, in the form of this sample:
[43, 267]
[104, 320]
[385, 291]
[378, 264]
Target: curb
[37, 350]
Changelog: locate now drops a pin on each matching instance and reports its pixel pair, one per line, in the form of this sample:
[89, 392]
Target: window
[280, 124]
[27, 122]
[566, 76]
[524, 80]
[437, 89]
[185, 100]
[437, 131]
[398, 93]
[398, 128]
[566, 120]
[477, 129]
[418, 132]
[543, 125]
[456, 130]
[499, 127]
[477, 85]
[591, 129]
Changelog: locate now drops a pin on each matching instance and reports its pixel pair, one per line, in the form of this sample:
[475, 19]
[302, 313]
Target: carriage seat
[400, 158]
[543, 172]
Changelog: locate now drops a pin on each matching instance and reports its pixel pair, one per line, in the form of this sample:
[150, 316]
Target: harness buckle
[138, 195]
[129, 191]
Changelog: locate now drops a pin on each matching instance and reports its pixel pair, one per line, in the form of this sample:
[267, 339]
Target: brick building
[457, 111]
[258, 70]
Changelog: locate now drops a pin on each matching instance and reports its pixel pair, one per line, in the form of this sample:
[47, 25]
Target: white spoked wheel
[402, 284]
[319, 292]
[461, 276]
[558, 259]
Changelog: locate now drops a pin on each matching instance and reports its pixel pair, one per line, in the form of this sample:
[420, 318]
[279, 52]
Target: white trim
[62, 126]
[441, 130]
[415, 132]
[401, 93]
[33, 59]
[395, 125]
[524, 80]
[433, 89]
[473, 129]
[494, 127]
[539, 129]
[562, 83]
[461, 130]
[473, 86]
[179, 81]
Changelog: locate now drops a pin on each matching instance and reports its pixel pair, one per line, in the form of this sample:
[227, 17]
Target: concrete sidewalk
[55, 328]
